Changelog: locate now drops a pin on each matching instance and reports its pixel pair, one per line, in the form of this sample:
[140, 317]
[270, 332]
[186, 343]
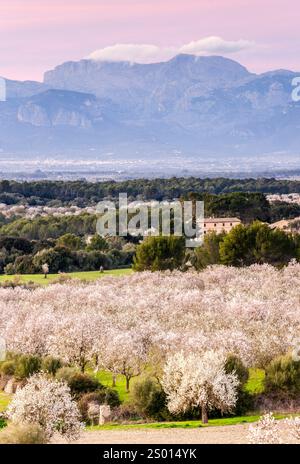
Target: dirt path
[225, 434]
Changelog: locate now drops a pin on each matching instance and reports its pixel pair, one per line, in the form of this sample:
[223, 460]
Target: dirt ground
[211, 435]
[230, 434]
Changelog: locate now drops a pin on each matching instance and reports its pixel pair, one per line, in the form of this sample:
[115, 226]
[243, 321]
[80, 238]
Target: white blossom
[199, 381]
[47, 403]
[252, 312]
[265, 431]
[294, 426]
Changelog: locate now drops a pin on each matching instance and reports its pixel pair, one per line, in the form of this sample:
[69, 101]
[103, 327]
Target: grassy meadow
[184, 424]
[4, 401]
[88, 276]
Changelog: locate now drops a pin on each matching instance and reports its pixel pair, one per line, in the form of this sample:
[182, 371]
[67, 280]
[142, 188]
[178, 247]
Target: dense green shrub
[97, 243]
[209, 253]
[92, 260]
[9, 269]
[245, 401]
[66, 373]
[51, 365]
[21, 265]
[283, 376]
[149, 399]
[257, 243]
[22, 434]
[78, 382]
[2, 421]
[103, 396]
[8, 367]
[27, 365]
[160, 253]
[58, 259]
[22, 366]
[71, 241]
[83, 383]
[234, 364]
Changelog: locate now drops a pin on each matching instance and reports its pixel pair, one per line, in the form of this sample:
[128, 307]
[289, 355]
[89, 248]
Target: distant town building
[220, 225]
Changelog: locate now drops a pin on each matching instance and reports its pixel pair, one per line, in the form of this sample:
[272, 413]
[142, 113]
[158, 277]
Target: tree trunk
[204, 416]
[127, 384]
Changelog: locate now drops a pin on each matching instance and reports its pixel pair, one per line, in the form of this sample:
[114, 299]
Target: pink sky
[36, 35]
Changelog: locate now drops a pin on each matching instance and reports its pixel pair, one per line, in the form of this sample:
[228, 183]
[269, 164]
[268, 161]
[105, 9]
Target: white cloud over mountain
[147, 53]
[138, 53]
[214, 45]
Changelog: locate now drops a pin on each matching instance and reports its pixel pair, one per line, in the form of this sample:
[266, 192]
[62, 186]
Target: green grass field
[183, 424]
[4, 401]
[106, 379]
[90, 276]
[254, 385]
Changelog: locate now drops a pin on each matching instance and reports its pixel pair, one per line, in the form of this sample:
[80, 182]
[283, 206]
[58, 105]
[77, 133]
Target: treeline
[50, 227]
[61, 240]
[248, 207]
[247, 245]
[84, 193]
[242, 246]
[68, 253]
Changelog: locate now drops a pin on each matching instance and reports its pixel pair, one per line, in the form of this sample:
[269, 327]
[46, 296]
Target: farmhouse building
[220, 225]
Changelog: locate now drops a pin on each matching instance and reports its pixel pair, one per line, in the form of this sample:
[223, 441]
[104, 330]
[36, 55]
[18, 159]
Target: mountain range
[198, 106]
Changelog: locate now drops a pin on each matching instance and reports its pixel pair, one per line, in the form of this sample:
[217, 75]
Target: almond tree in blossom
[122, 323]
[73, 339]
[125, 353]
[47, 403]
[199, 381]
